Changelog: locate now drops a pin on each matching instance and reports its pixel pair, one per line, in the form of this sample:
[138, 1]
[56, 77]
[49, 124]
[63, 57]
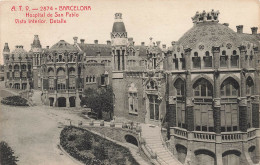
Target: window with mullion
[154, 107]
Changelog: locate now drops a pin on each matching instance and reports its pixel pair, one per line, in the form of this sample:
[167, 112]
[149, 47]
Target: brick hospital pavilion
[205, 85]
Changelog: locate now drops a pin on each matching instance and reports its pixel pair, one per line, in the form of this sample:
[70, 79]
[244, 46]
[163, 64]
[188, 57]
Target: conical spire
[6, 48]
[36, 42]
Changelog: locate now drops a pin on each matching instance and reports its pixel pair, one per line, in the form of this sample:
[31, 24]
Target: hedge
[15, 100]
[92, 149]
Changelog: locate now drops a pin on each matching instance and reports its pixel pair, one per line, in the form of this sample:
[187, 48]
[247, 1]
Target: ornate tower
[6, 53]
[119, 47]
[119, 43]
[6, 56]
[36, 50]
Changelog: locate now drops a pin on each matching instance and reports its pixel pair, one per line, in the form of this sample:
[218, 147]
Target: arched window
[179, 86]
[16, 67]
[71, 71]
[60, 72]
[229, 87]
[23, 67]
[249, 86]
[50, 72]
[202, 88]
[151, 85]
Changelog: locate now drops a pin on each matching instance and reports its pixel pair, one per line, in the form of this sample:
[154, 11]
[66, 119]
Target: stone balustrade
[182, 133]
[251, 133]
[231, 136]
[204, 136]
[211, 136]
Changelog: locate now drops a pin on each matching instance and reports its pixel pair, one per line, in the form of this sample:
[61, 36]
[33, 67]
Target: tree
[6, 154]
[99, 100]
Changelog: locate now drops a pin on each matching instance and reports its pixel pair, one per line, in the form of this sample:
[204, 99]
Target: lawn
[92, 149]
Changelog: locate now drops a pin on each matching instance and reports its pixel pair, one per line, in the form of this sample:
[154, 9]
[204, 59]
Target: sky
[163, 20]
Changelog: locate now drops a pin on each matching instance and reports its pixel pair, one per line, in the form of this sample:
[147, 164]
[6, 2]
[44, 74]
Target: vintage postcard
[130, 82]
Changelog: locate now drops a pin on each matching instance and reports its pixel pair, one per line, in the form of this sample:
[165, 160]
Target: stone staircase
[152, 136]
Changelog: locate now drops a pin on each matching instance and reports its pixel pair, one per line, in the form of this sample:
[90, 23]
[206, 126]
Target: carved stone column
[243, 99]
[189, 114]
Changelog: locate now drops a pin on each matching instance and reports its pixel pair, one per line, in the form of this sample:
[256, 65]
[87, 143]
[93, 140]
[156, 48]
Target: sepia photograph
[130, 82]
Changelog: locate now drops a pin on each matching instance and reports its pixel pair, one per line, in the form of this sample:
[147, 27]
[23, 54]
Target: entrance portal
[61, 102]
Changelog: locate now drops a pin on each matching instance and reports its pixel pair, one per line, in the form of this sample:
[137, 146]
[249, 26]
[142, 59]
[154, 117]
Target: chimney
[82, 41]
[226, 24]
[254, 30]
[239, 29]
[75, 39]
[96, 41]
[164, 46]
[158, 43]
[16, 46]
[173, 43]
[108, 42]
[142, 43]
[47, 47]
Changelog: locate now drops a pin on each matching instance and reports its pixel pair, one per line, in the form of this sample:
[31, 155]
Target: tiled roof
[211, 34]
[118, 27]
[93, 49]
[19, 51]
[62, 46]
[251, 38]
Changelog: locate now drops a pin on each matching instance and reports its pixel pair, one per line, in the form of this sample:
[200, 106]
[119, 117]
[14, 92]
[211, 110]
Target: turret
[6, 53]
[119, 42]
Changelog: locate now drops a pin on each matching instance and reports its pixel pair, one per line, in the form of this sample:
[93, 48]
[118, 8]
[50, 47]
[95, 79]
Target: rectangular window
[196, 62]
[72, 83]
[234, 61]
[207, 62]
[183, 64]
[223, 61]
[51, 84]
[176, 64]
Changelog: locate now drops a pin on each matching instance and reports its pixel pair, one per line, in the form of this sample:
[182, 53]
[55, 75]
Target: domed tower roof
[63, 46]
[118, 25]
[207, 30]
[19, 52]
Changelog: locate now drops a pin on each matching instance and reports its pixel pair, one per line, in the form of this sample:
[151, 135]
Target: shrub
[15, 100]
[92, 149]
[6, 154]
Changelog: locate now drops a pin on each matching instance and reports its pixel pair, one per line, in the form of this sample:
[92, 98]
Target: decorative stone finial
[204, 16]
[118, 16]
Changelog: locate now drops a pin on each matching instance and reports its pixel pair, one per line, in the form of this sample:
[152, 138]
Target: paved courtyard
[33, 132]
